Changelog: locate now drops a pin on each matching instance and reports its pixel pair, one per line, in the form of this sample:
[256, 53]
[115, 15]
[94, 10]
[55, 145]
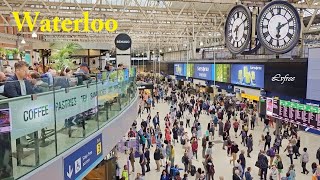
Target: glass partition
[59, 114]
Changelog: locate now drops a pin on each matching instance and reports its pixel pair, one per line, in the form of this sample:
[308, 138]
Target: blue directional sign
[80, 162]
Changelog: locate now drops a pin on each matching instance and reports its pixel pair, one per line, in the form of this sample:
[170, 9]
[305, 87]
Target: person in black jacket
[157, 157]
[142, 162]
[263, 164]
[147, 156]
[18, 85]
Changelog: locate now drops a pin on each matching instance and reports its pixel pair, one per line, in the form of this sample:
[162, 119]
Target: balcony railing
[36, 128]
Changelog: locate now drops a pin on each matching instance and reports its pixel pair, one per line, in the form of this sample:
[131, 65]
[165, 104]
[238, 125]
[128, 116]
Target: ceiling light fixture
[34, 35]
[23, 41]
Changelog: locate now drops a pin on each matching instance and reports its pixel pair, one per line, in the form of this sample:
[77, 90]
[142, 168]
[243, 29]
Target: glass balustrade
[60, 113]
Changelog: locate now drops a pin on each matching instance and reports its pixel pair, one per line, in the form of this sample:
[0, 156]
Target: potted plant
[61, 56]
[15, 53]
[8, 52]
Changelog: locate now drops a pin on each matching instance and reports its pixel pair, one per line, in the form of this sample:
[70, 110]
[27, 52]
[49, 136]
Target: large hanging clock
[238, 29]
[278, 27]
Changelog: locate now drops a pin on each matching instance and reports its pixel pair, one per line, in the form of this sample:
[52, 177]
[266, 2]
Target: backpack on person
[280, 165]
[210, 168]
[193, 170]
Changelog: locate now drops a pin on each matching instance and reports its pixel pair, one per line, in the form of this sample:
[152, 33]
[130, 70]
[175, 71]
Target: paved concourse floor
[220, 159]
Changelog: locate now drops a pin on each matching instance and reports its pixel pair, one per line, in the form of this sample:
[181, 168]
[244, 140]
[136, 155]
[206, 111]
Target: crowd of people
[182, 126]
[23, 79]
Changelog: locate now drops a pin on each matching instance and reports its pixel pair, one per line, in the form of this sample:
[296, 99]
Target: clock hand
[282, 25]
[278, 30]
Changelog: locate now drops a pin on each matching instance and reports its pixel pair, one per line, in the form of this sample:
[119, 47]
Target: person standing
[220, 127]
[157, 157]
[142, 162]
[194, 146]
[274, 174]
[242, 161]
[304, 161]
[125, 173]
[318, 155]
[292, 172]
[271, 153]
[131, 158]
[236, 127]
[247, 174]
[204, 145]
[249, 145]
[253, 121]
[263, 165]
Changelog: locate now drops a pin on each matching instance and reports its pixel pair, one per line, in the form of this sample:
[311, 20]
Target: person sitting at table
[18, 85]
[38, 85]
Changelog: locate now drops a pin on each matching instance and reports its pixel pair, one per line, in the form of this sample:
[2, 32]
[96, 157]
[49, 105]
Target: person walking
[234, 151]
[125, 173]
[185, 162]
[278, 163]
[271, 153]
[304, 161]
[268, 141]
[292, 172]
[266, 124]
[289, 148]
[274, 174]
[131, 158]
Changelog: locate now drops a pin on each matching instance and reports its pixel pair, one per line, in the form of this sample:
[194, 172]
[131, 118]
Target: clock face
[279, 26]
[238, 29]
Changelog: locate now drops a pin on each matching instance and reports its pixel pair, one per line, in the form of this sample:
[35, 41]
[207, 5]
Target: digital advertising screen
[204, 71]
[190, 70]
[5, 122]
[251, 75]
[179, 70]
[281, 77]
[222, 73]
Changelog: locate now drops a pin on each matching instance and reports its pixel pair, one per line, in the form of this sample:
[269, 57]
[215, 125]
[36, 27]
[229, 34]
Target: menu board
[303, 114]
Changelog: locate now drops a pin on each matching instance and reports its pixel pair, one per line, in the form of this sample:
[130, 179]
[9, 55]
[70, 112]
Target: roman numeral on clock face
[266, 34]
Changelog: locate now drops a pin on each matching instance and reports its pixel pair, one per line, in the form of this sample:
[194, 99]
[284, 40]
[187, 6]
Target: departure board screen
[303, 114]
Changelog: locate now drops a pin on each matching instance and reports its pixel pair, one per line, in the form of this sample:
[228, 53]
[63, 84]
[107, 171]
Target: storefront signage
[204, 71]
[179, 70]
[66, 25]
[123, 41]
[251, 97]
[303, 114]
[28, 116]
[287, 79]
[248, 75]
[283, 79]
[80, 162]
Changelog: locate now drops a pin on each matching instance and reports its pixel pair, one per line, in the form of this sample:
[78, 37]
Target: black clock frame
[298, 31]
[232, 49]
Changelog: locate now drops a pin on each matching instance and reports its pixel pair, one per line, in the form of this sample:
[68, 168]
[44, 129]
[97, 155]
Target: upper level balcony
[38, 128]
